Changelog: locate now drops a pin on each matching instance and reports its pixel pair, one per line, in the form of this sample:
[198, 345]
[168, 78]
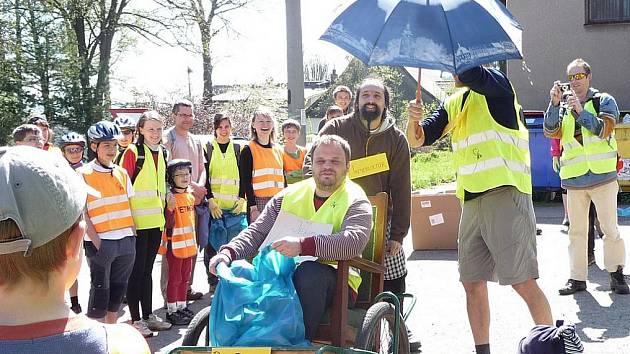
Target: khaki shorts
[497, 238]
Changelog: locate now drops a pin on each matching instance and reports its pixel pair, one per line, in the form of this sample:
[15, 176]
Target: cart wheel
[198, 327]
[377, 331]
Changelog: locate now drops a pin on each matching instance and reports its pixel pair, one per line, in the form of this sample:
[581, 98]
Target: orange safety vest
[267, 174]
[183, 240]
[292, 164]
[112, 211]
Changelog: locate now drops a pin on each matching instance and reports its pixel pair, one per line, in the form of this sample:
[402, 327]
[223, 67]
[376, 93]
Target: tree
[316, 69]
[210, 18]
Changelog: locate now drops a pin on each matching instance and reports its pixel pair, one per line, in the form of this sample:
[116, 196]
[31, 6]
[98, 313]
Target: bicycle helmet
[104, 130]
[125, 122]
[175, 165]
[72, 138]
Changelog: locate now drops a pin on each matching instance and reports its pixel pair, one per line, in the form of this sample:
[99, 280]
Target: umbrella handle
[419, 89]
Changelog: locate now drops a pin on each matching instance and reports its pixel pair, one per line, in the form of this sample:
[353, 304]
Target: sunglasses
[578, 76]
[73, 150]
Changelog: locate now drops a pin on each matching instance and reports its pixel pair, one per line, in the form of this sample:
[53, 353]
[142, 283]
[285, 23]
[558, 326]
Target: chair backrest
[372, 284]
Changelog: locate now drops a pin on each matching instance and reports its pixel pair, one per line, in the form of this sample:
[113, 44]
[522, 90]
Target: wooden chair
[372, 267]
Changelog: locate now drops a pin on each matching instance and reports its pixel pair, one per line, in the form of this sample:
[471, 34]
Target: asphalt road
[439, 318]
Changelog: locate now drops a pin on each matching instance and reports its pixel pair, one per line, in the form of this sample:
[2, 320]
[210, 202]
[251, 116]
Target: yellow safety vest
[112, 210]
[183, 239]
[147, 204]
[223, 176]
[486, 154]
[298, 200]
[594, 154]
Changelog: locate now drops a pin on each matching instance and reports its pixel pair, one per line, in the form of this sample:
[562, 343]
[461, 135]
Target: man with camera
[584, 119]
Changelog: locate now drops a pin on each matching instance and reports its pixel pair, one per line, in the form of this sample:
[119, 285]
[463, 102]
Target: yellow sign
[368, 165]
[241, 350]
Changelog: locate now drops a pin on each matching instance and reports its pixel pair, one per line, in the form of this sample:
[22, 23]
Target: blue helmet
[125, 122]
[104, 130]
[72, 138]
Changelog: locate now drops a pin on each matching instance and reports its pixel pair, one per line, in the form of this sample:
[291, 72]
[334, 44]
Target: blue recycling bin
[544, 178]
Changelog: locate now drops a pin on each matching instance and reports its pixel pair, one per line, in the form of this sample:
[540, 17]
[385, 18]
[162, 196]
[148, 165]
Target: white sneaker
[141, 326]
[155, 323]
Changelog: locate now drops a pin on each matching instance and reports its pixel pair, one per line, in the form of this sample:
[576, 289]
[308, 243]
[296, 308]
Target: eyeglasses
[184, 115]
[577, 76]
[73, 150]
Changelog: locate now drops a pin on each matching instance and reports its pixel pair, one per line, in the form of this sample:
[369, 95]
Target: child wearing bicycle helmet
[128, 129]
[72, 147]
[110, 238]
[179, 240]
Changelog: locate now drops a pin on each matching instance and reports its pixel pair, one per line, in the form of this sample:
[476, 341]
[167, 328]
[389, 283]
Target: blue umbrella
[447, 35]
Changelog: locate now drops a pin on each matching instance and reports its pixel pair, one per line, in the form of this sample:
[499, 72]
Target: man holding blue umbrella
[497, 234]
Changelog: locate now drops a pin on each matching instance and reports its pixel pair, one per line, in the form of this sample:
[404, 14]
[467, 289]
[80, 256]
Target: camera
[565, 88]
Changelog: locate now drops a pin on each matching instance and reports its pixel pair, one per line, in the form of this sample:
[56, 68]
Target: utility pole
[295, 65]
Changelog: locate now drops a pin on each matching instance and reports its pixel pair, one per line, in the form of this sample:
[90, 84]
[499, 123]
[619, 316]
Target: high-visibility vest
[594, 154]
[267, 174]
[298, 200]
[292, 164]
[486, 154]
[147, 204]
[112, 210]
[223, 176]
[183, 240]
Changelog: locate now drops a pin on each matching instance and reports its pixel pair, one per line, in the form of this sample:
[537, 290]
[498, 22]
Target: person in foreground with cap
[41, 228]
[110, 243]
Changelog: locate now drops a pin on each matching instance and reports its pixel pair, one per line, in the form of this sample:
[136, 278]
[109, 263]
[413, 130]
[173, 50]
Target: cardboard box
[435, 221]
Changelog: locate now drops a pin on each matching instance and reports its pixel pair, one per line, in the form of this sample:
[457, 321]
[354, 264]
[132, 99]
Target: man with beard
[380, 160]
[329, 197]
[497, 231]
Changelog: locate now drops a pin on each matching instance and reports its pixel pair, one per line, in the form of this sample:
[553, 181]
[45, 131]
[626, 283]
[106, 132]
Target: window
[607, 11]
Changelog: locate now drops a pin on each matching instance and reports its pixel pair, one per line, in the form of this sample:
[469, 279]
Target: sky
[256, 54]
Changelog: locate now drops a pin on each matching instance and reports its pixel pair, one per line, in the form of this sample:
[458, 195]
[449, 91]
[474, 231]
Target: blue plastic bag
[224, 229]
[257, 305]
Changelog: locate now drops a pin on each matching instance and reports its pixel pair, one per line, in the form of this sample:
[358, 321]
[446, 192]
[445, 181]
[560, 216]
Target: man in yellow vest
[330, 198]
[584, 119]
[497, 232]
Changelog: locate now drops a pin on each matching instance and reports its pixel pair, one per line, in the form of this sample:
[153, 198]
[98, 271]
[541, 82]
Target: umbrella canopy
[448, 35]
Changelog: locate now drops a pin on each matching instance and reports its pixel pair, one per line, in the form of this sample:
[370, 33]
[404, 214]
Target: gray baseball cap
[41, 193]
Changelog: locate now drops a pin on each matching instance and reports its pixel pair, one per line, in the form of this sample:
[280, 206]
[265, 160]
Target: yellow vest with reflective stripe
[298, 200]
[147, 204]
[112, 210]
[183, 239]
[486, 154]
[223, 177]
[594, 154]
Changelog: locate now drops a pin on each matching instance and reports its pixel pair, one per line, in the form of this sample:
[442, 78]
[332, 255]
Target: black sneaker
[188, 312]
[193, 295]
[572, 287]
[178, 319]
[618, 283]
[414, 342]
[76, 309]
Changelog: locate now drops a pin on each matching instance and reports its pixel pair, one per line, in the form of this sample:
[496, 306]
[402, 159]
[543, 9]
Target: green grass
[431, 168]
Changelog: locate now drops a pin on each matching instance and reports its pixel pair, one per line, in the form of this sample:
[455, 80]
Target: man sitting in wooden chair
[336, 217]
